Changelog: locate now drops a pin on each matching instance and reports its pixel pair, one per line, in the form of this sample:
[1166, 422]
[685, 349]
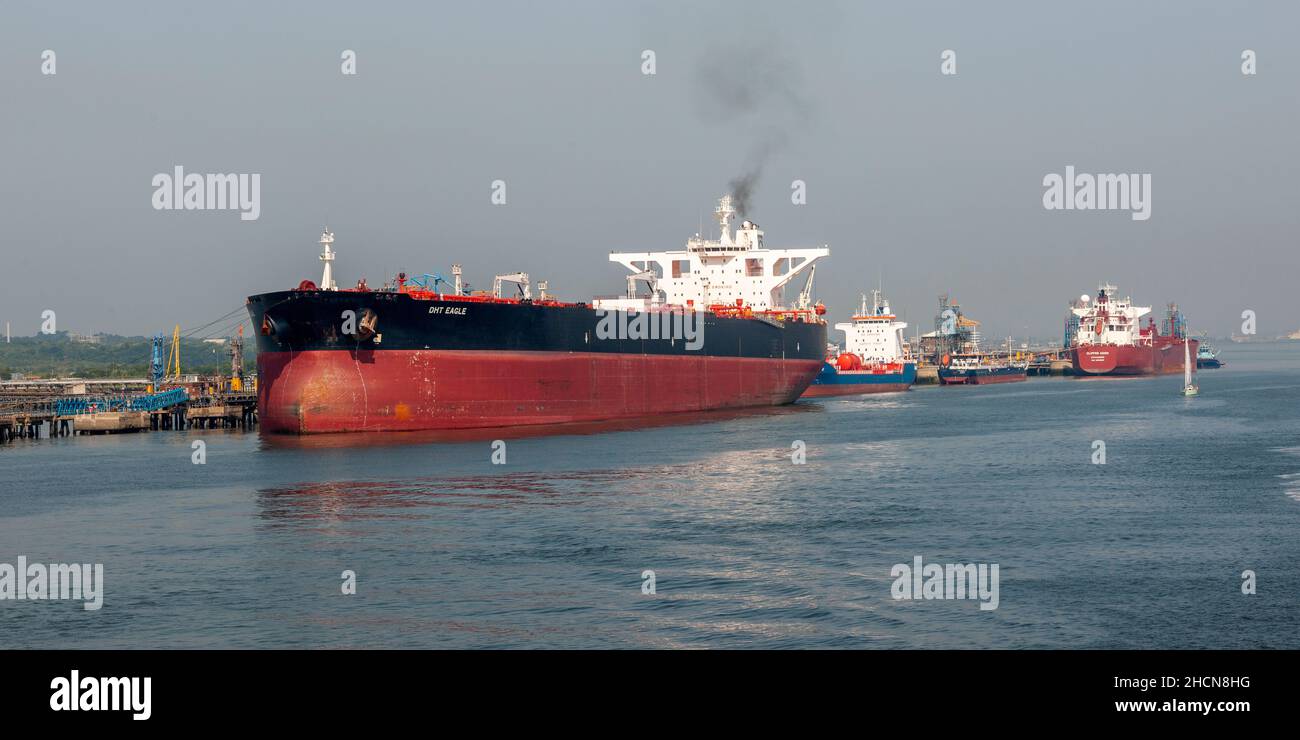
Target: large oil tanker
[1108, 338]
[698, 329]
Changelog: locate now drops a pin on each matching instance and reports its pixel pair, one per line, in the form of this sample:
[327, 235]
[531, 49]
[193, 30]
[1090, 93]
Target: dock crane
[430, 282]
[174, 358]
[156, 366]
[237, 360]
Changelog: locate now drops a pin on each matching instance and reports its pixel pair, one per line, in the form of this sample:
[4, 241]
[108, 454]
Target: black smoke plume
[754, 90]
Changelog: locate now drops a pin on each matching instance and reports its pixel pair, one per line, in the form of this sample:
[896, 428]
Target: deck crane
[518, 278]
[805, 295]
[648, 277]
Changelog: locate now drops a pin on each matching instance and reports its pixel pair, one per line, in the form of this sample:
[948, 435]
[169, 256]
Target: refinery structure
[954, 333]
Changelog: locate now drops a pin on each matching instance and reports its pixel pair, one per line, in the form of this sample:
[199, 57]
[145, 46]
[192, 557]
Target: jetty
[42, 409]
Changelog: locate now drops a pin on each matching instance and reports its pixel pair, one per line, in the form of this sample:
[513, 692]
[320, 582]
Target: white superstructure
[734, 271]
[1110, 320]
[875, 335]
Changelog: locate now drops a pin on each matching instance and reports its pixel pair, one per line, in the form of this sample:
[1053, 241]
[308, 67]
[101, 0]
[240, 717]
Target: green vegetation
[108, 356]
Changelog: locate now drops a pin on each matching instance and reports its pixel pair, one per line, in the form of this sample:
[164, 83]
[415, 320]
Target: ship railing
[715, 247]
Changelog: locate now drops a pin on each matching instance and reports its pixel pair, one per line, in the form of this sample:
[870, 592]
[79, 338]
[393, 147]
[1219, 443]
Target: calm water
[748, 549]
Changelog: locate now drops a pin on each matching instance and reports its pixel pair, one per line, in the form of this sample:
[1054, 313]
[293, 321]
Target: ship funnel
[724, 213]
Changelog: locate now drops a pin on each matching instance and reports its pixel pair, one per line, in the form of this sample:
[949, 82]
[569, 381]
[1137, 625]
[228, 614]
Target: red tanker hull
[1162, 357]
[407, 390]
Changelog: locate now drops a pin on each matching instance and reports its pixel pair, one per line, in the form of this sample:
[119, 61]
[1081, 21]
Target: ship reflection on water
[412, 498]
[389, 476]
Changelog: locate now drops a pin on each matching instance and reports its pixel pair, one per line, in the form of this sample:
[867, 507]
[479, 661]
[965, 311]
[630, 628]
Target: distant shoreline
[106, 357]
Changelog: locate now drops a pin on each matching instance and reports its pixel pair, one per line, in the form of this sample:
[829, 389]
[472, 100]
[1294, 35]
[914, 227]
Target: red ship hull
[1164, 356]
[407, 390]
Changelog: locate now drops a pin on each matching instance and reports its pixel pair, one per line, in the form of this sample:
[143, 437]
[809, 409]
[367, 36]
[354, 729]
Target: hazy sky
[933, 182]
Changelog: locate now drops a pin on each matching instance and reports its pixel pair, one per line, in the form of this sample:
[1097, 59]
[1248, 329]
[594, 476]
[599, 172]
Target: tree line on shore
[65, 355]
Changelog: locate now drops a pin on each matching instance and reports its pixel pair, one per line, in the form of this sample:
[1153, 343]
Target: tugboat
[874, 359]
[1207, 357]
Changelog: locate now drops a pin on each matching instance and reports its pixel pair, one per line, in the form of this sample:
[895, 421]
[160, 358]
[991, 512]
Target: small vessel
[1189, 373]
[981, 369]
[1207, 356]
[874, 359]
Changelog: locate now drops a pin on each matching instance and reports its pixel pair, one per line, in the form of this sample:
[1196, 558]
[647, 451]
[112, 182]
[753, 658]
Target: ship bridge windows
[753, 267]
